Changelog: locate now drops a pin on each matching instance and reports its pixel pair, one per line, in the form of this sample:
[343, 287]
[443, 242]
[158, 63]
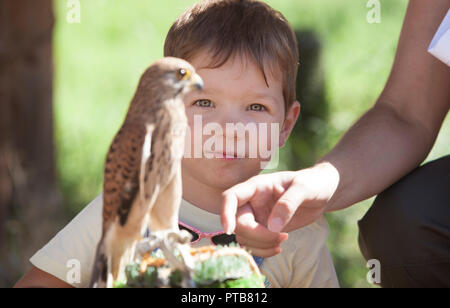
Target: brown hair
[245, 27]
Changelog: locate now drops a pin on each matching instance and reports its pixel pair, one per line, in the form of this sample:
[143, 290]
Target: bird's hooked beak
[196, 82]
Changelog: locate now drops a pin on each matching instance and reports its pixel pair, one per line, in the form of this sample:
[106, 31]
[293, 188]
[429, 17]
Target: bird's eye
[203, 103]
[256, 107]
[182, 74]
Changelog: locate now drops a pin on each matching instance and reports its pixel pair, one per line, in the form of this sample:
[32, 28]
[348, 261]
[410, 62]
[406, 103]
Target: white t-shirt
[304, 261]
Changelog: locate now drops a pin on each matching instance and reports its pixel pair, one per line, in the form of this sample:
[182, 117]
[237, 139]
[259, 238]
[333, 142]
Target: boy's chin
[222, 176]
[225, 180]
[224, 183]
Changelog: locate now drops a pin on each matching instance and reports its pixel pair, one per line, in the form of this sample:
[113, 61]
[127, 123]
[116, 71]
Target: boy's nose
[231, 116]
[234, 129]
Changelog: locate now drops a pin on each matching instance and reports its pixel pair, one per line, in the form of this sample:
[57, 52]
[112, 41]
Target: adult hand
[258, 209]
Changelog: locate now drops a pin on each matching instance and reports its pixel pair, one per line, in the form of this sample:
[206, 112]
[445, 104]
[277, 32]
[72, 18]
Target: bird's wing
[122, 172]
[129, 151]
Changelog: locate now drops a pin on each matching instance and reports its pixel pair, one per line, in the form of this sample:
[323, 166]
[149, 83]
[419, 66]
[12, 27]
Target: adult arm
[386, 143]
[397, 134]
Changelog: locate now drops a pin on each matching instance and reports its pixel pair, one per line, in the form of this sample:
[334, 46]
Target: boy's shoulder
[77, 242]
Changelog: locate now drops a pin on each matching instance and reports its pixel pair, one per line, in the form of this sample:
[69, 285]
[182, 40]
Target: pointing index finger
[229, 208]
[233, 198]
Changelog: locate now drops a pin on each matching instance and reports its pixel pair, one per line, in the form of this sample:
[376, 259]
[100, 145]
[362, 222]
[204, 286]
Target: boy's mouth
[225, 156]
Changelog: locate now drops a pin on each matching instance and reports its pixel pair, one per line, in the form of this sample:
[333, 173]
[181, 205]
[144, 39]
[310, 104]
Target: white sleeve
[440, 45]
[70, 255]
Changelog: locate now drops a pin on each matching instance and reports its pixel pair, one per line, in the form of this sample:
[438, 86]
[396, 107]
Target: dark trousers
[408, 229]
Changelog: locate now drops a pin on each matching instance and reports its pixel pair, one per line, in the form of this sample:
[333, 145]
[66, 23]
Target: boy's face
[234, 93]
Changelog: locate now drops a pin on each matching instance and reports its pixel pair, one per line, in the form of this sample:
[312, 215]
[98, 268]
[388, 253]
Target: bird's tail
[99, 274]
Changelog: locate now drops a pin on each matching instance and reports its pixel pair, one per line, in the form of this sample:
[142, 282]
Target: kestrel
[142, 176]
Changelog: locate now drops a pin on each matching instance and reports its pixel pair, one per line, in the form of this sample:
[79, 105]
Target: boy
[246, 54]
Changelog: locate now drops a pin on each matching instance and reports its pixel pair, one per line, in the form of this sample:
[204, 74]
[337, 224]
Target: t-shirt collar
[199, 218]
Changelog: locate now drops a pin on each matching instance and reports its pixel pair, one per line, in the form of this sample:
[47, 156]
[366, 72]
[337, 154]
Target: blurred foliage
[98, 63]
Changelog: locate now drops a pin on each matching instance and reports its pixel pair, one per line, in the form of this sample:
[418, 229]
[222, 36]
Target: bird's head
[170, 77]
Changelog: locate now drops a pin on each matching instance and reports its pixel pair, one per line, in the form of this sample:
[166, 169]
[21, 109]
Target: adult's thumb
[285, 208]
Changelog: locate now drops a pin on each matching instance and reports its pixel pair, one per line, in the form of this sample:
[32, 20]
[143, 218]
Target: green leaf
[221, 269]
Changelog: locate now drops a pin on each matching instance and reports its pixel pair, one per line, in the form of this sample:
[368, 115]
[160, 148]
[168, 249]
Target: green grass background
[98, 63]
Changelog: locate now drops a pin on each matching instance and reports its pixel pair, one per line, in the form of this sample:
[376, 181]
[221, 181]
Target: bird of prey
[142, 175]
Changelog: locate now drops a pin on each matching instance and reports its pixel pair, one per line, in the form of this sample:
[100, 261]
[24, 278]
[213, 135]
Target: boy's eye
[256, 107]
[203, 103]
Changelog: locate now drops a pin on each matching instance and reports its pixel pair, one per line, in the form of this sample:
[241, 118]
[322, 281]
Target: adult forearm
[396, 135]
[389, 141]
[377, 151]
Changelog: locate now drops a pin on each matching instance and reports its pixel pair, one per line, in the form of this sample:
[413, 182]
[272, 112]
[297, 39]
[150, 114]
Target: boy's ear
[289, 122]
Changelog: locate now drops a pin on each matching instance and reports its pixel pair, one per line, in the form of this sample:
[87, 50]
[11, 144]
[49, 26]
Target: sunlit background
[98, 63]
